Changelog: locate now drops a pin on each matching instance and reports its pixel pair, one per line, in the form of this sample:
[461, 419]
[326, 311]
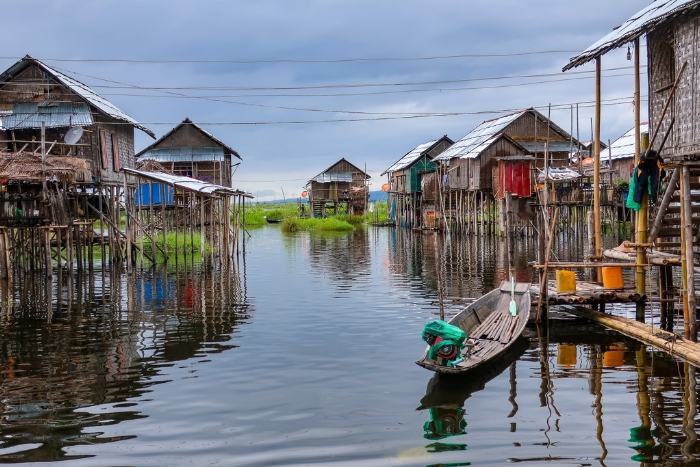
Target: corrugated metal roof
[641, 23]
[410, 157]
[90, 96]
[189, 122]
[184, 155]
[187, 183]
[327, 171]
[55, 115]
[553, 174]
[328, 177]
[623, 147]
[479, 139]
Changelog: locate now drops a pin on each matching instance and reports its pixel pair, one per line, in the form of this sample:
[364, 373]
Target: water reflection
[101, 340]
[169, 367]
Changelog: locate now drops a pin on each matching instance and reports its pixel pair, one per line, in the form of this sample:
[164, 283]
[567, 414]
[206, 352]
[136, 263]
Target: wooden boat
[272, 221]
[448, 391]
[489, 326]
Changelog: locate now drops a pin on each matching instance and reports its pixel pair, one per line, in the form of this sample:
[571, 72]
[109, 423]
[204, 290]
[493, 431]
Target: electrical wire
[290, 60]
[326, 86]
[372, 93]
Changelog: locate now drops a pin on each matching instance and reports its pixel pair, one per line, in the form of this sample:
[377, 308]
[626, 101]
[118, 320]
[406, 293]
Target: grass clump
[275, 215]
[255, 214]
[185, 243]
[352, 220]
[330, 224]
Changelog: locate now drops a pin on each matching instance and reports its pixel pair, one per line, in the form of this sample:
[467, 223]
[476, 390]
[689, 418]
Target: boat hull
[489, 326]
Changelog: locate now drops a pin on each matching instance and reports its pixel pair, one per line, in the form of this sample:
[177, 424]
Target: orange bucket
[612, 278]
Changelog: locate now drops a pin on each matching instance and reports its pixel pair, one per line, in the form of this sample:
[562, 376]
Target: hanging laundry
[647, 176]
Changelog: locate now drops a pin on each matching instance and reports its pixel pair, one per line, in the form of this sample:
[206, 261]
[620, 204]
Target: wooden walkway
[670, 343]
[587, 293]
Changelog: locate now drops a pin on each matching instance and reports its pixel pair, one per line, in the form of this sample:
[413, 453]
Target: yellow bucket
[612, 278]
[566, 282]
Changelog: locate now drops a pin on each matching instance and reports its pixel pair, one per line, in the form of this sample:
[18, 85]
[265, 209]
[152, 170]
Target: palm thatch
[27, 167]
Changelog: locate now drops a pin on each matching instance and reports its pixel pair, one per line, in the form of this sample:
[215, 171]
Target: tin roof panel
[642, 22]
[410, 157]
[623, 147]
[479, 139]
[54, 115]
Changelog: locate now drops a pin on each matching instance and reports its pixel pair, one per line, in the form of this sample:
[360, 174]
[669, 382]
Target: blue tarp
[143, 194]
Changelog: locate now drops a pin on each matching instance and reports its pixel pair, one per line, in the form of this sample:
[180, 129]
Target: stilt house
[53, 186]
[341, 184]
[191, 151]
[407, 178]
[472, 160]
[32, 92]
[672, 54]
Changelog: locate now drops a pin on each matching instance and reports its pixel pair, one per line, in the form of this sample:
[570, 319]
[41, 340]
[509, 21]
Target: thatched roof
[27, 166]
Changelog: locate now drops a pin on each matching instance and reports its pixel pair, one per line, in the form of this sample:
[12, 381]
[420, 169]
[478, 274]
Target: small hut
[407, 178]
[340, 185]
[191, 151]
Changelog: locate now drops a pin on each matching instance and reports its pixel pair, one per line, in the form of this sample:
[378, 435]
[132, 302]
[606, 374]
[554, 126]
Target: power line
[371, 93]
[278, 107]
[290, 60]
[589, 104]
[326, 86]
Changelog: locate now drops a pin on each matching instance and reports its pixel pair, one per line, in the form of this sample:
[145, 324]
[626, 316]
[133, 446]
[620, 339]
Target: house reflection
[100, 340]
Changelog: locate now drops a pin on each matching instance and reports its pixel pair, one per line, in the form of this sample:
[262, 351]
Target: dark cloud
[276, 156]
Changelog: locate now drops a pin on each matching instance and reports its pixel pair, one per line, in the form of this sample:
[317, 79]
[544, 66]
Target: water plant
[329, 224]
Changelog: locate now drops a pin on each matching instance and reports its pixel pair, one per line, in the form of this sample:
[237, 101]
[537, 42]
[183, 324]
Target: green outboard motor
[445, 340]
[445, 423]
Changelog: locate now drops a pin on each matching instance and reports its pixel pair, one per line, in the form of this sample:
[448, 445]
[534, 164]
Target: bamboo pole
[690, 324]
[543, 277]
[582, 265]
[127, 227]
[165, 223]
[642, 227]
[201, 227]
[665, 202]
[596, 168]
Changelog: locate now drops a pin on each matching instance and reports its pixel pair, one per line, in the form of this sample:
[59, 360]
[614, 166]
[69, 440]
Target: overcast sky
[222, 96]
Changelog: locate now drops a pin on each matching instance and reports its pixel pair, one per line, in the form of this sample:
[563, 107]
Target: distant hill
[378, 196]
[373, 196]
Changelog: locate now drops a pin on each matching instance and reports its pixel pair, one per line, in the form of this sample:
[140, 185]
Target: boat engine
[445, 340]
[444, 423]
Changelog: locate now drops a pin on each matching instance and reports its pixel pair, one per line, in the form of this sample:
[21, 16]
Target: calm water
[305, 356]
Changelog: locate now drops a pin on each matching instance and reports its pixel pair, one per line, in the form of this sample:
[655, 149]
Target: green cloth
[631, 204]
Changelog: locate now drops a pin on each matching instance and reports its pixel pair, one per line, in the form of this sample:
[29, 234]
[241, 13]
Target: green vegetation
[380, 214]
[329, 224]
[255, 214]
[350, 219]
[275, 215]
[188, 243]
[289, 213]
